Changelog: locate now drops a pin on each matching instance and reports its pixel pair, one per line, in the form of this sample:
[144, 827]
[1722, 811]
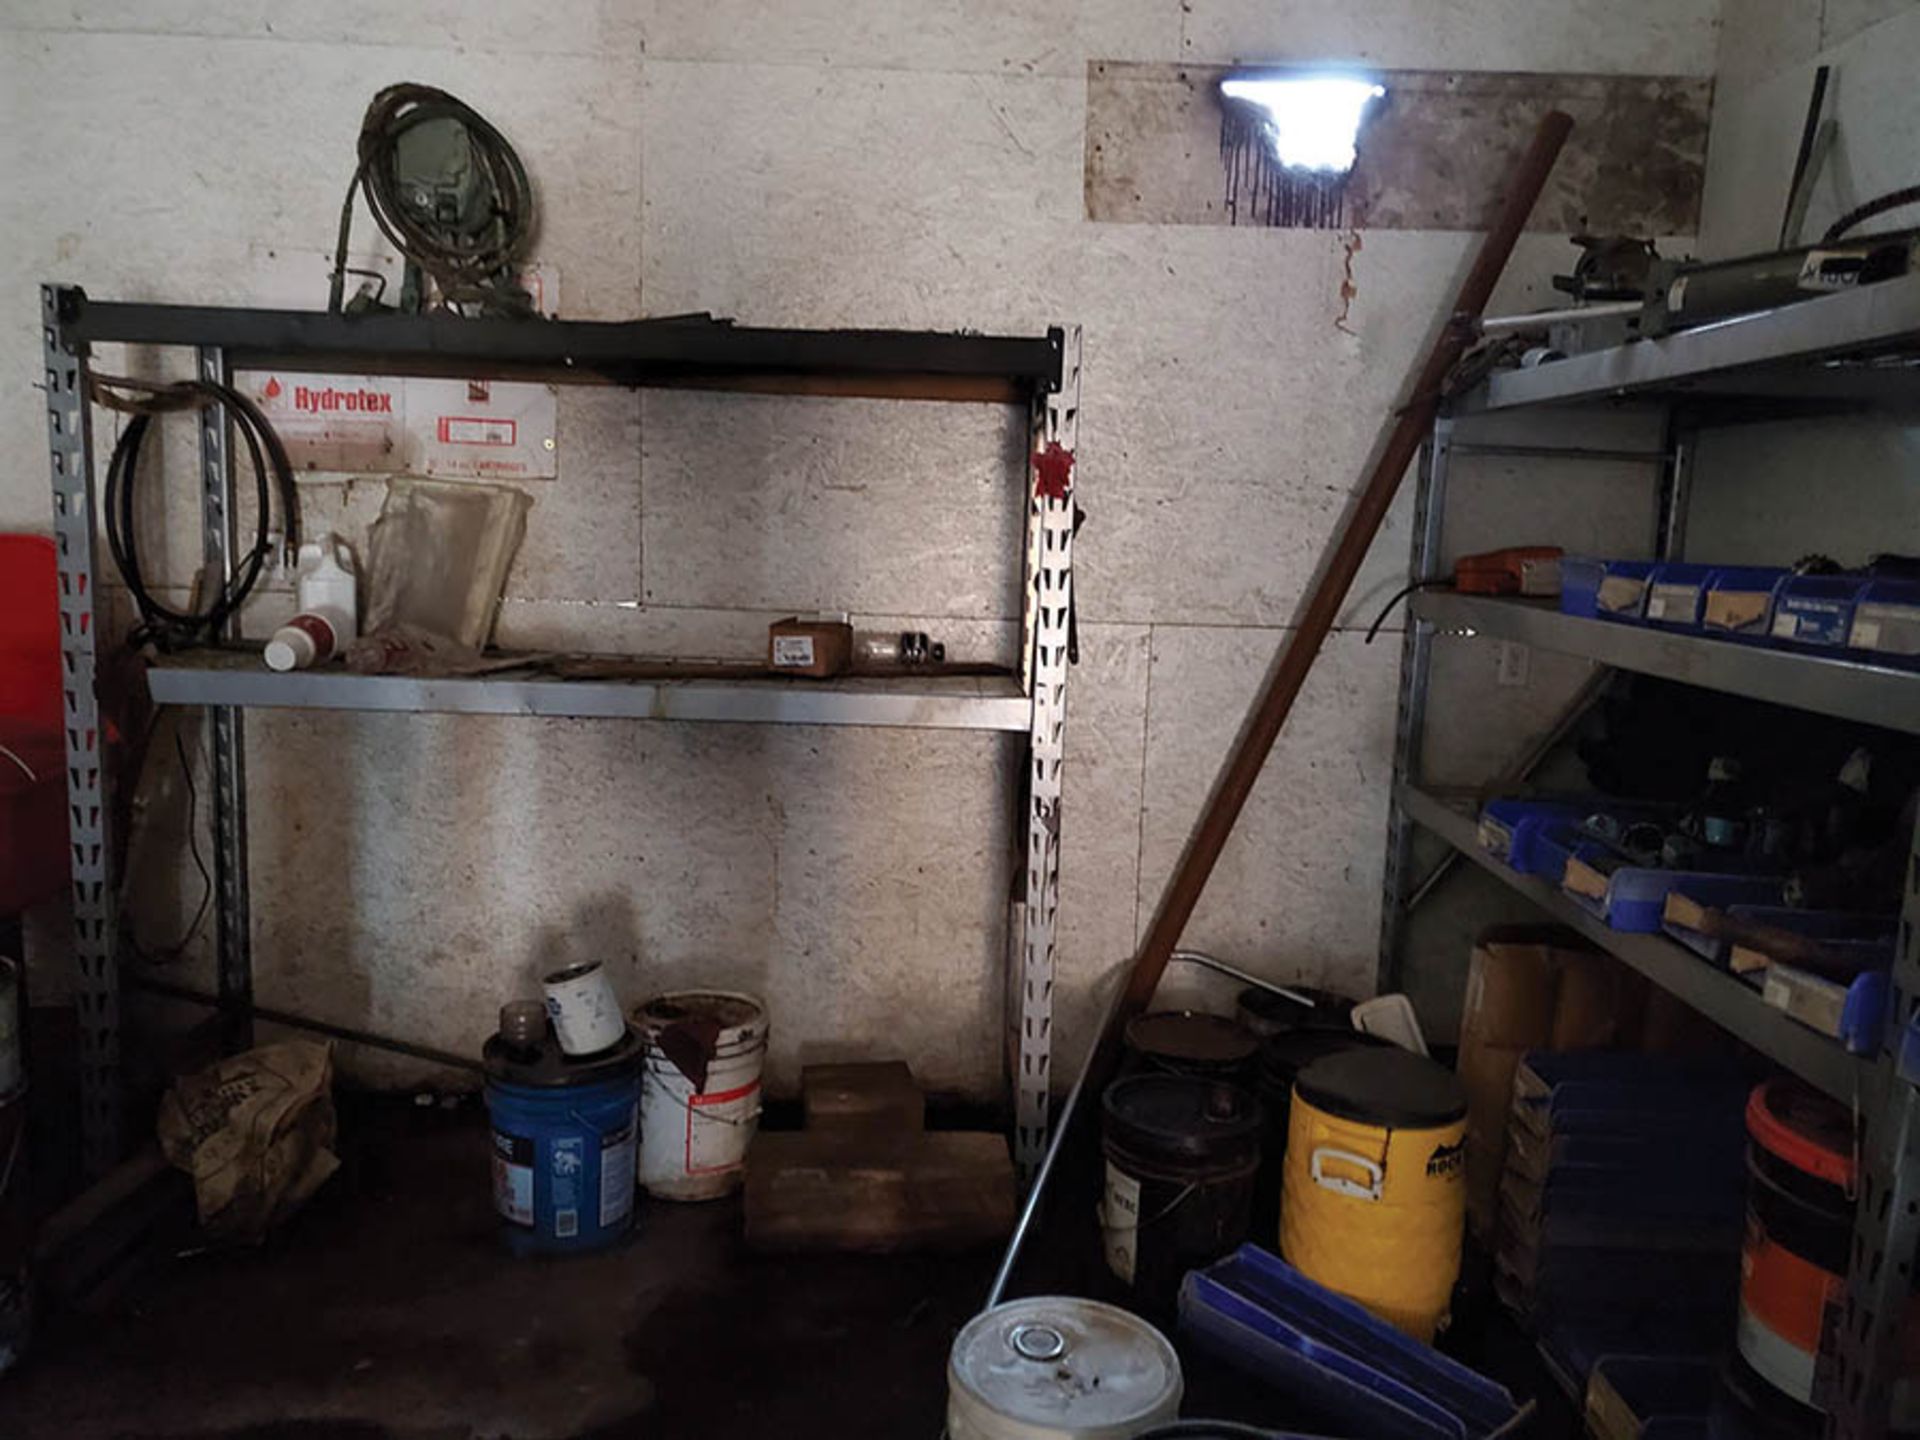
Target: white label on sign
[482, 429]
[1120, 1222]
[793, 650]
[616, 1172]
[380, 424]
[1656, 606]
[1866, 635]
[1784, 626]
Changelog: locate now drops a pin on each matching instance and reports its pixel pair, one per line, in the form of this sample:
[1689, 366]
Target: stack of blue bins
[1354, 1373]
[1622, 1205]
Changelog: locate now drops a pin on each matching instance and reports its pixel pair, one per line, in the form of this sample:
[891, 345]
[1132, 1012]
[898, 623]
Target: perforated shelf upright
[1041, 373]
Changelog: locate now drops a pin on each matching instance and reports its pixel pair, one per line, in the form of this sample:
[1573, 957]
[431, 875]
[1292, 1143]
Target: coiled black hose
[164, 626]
[1895, 200]
[474, 267]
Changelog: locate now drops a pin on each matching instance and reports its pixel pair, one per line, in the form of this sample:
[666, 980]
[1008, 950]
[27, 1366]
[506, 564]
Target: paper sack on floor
[256, 1133]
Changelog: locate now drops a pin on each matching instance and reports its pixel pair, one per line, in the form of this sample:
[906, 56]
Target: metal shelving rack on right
[1855, 349]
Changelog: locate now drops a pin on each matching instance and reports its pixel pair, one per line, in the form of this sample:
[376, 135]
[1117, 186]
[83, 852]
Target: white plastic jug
[326, 592]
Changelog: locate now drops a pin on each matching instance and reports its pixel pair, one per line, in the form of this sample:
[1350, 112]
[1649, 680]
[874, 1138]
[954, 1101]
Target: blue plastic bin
[1739, 601]
[1533, 837]
[1886, 622]
[1636, 897]
[1816, 611]
[1675, 593]
[1861, 936]
[1580, 577]
[1607, 589]
[1260, 1315]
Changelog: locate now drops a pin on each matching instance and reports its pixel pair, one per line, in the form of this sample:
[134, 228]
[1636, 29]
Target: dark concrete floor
[388, 1309]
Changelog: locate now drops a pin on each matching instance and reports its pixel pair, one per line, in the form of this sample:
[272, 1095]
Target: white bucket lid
[1055, 1366]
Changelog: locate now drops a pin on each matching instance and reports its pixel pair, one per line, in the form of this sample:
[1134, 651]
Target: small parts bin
[1606, 589]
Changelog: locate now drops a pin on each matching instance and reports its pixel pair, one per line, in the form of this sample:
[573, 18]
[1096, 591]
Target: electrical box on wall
[382, 424]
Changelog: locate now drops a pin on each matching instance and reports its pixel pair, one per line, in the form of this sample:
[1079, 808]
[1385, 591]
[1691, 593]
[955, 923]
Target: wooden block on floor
[876, 1096]
[878, 1193]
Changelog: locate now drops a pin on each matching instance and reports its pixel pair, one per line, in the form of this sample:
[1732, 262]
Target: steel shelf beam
[1846, 689]
[1845, 346]
[1815, 1058]
[695, 351]
[238, 679]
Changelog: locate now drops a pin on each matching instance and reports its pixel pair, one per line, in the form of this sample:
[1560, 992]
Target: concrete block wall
[804, 163]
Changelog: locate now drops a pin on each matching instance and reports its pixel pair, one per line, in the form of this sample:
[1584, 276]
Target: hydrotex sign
[324, 399]
[379, 424]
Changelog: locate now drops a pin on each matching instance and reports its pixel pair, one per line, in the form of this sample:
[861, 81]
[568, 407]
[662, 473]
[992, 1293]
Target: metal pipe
[301, 1022]
[1056, 1141]
[1194, 957]
[1573, 315]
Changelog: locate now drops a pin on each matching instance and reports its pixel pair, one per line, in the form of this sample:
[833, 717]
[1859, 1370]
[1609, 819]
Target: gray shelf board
[912, 702]
[1842, 345]
[1845, 688]
[1815, 1058]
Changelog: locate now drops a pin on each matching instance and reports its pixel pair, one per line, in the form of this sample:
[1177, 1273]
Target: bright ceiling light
[1312, 121]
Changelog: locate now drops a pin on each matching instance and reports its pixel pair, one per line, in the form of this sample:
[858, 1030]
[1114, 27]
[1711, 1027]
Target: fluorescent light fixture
[1311, 120]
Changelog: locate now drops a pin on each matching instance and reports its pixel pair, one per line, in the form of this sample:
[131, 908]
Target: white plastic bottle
[329, 608]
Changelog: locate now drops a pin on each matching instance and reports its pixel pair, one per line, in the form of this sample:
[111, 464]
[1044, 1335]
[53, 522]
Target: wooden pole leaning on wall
[1409, 428]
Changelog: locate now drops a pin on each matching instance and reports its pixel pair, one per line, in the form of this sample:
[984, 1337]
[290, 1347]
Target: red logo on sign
[272, 387]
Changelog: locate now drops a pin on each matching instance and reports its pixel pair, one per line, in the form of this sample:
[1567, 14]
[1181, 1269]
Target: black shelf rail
[691, 351]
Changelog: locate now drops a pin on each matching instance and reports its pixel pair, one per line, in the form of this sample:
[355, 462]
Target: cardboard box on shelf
[1529, 988]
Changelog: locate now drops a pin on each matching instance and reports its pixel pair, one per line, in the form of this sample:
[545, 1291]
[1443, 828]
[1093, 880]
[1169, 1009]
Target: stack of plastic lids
[1358, 1374]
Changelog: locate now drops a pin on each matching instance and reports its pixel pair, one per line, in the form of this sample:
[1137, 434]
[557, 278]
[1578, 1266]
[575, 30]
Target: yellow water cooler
[1374, 1191]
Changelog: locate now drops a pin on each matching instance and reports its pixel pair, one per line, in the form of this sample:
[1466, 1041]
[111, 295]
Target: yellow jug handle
[1341, 1185]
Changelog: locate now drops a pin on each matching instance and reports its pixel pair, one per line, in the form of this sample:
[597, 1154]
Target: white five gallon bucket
[1059, 1368]
[694, 1128]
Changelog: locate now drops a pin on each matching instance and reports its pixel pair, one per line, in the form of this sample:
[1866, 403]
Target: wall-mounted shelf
[1846, 688]
[1733, 1006]
[1857, 345]
[908, 702]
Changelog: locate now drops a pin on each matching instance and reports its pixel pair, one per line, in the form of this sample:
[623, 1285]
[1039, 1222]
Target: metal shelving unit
[1041, 373]
[1857, 348]
[1844, 688]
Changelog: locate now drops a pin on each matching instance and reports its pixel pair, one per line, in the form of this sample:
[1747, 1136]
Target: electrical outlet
[1512, 662]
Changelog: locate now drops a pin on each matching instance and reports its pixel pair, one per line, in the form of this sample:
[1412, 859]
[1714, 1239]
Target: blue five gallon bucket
[564, 1137]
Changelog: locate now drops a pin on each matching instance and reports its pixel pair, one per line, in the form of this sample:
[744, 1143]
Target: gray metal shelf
[1845, 346]
[1847, 689]
[1039, 372]
[922, 702]
[1814, 1057]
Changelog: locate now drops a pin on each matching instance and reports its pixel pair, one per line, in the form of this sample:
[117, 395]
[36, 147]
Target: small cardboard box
[1528, 988]
[820, 647]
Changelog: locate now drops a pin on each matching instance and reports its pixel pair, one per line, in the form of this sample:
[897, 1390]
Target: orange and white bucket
[1793, 1266]
[702, 1052]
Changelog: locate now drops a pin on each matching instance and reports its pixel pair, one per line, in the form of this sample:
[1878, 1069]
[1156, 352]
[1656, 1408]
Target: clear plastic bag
[438, 556]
